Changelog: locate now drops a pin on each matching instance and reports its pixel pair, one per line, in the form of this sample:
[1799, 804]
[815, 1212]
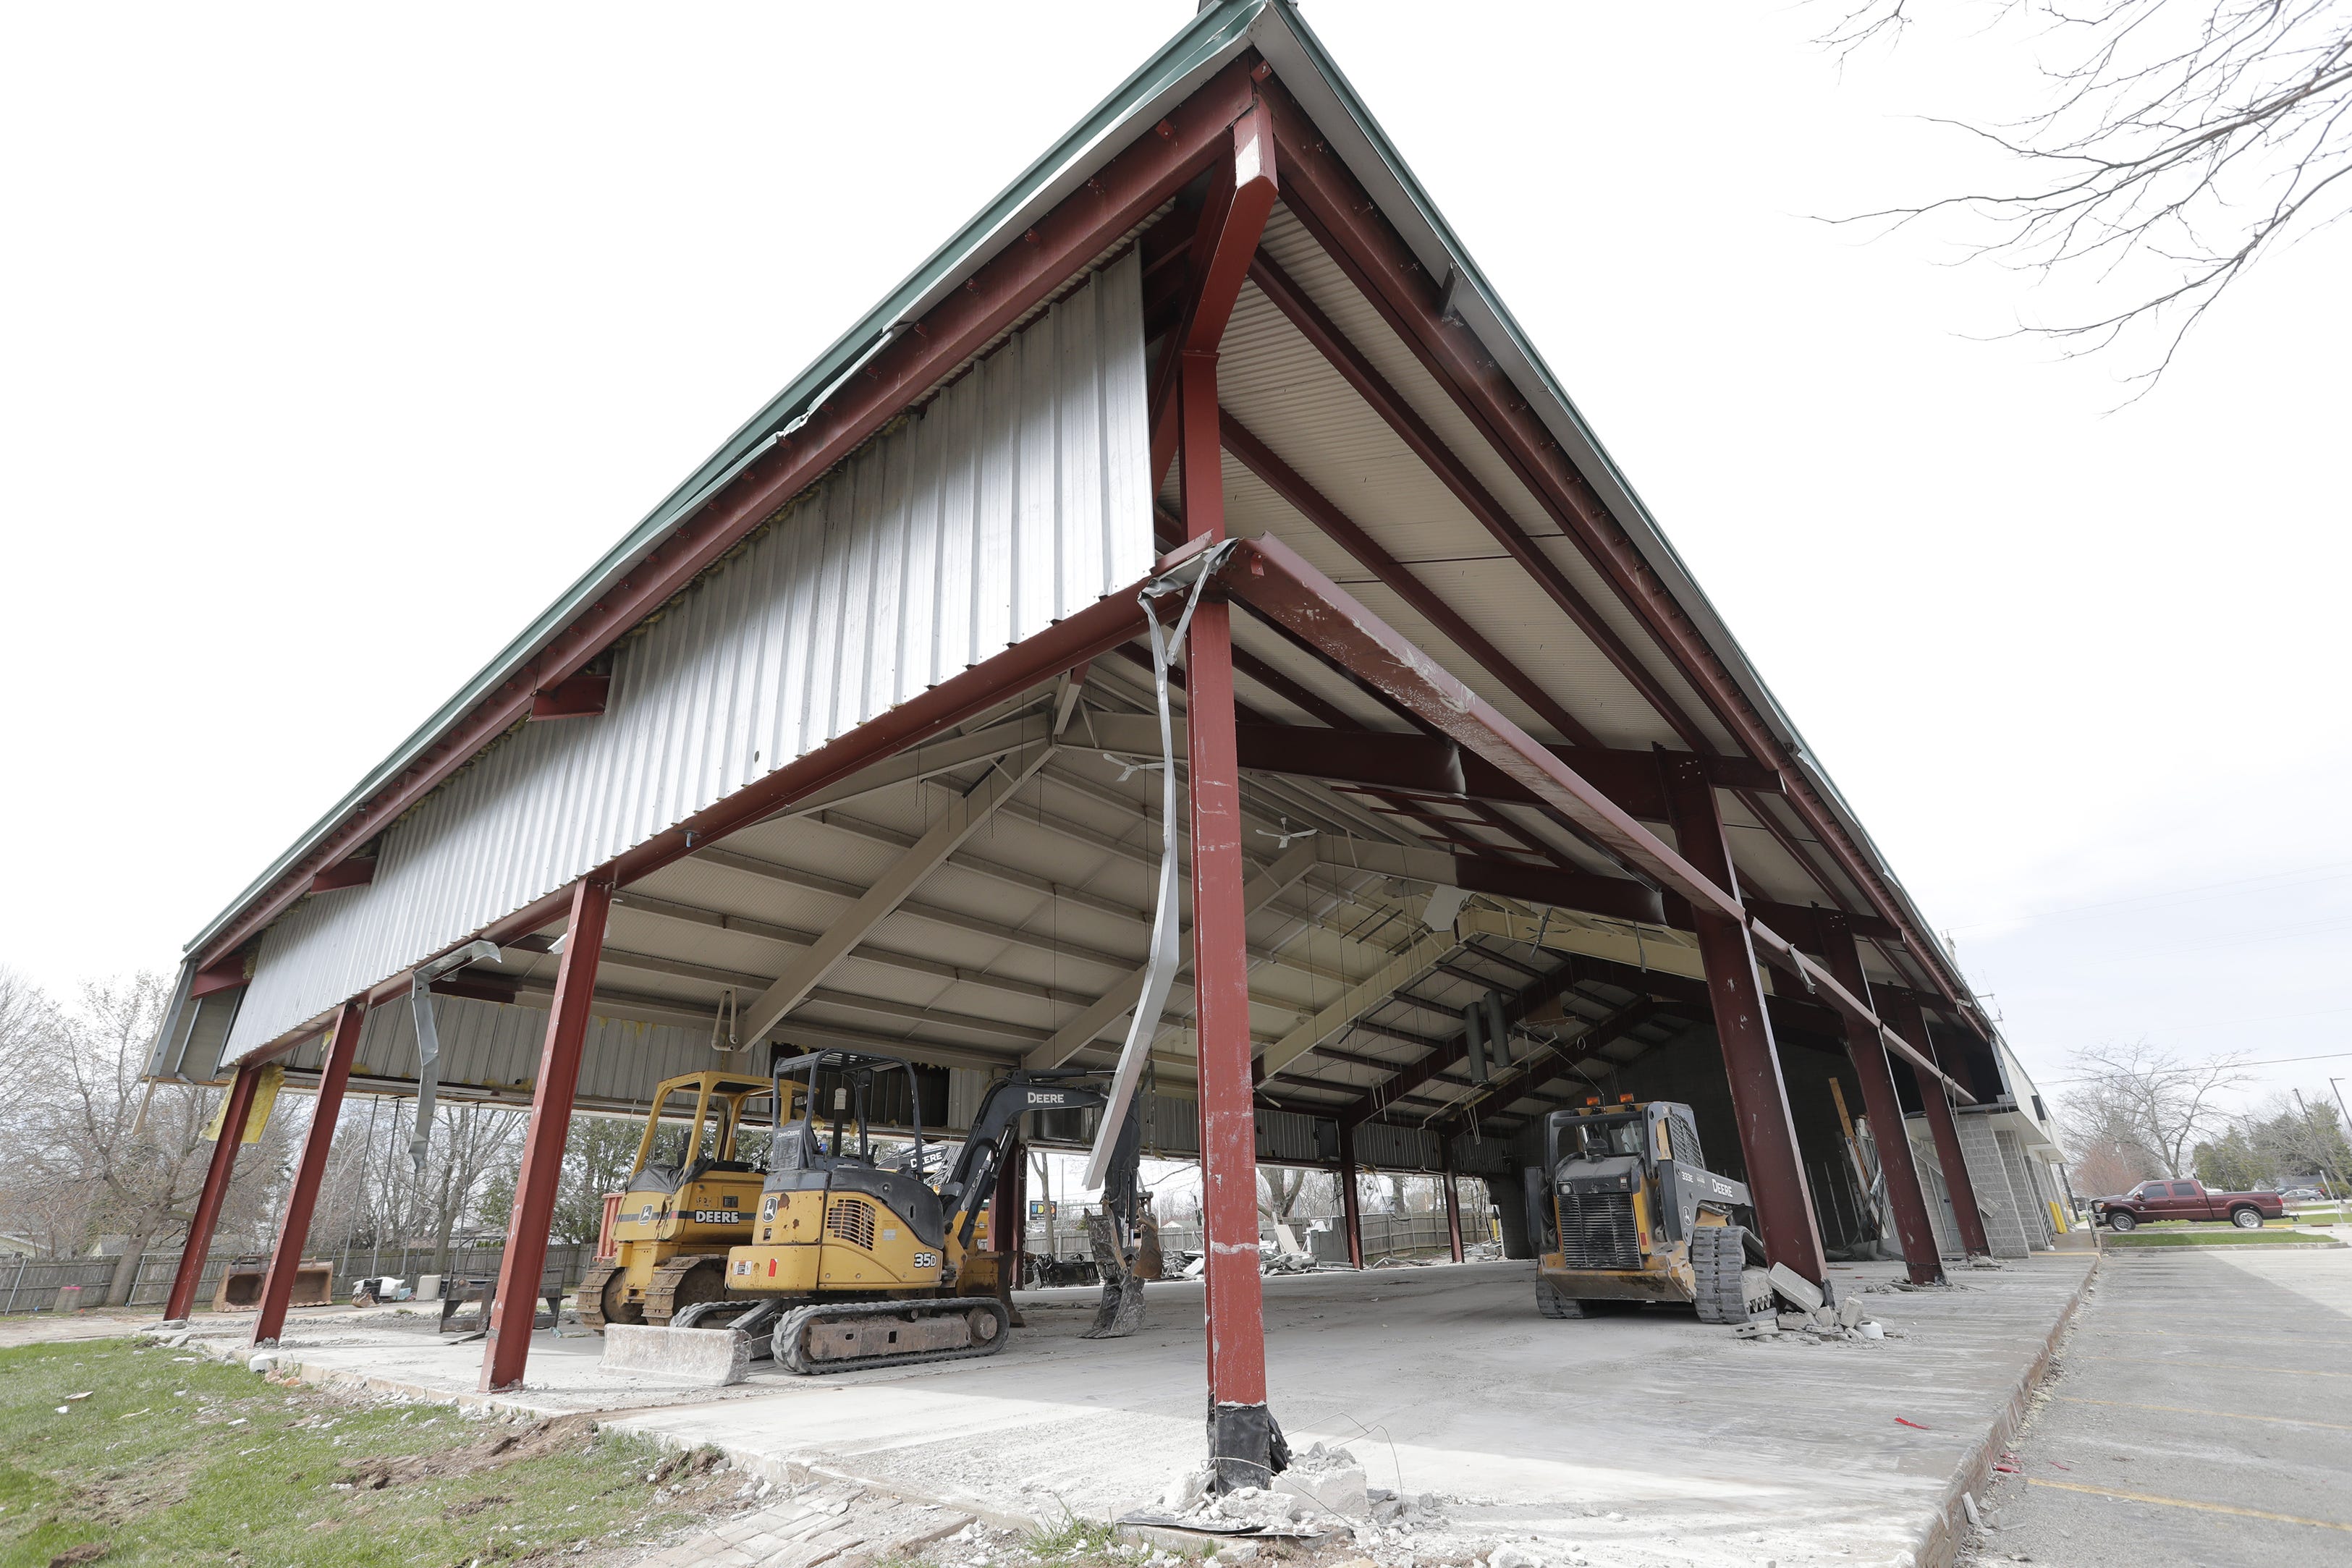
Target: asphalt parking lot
[2201, 1414]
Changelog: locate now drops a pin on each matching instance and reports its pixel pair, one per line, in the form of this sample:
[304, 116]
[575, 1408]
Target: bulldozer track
[592, 1291]
[792, 1329]
[662, 1301]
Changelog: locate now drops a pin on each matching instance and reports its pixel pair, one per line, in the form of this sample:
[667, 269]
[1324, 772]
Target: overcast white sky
[334, 342]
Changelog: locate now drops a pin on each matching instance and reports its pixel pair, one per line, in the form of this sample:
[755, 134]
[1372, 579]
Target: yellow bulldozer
[854, 1257]
[689, 1200]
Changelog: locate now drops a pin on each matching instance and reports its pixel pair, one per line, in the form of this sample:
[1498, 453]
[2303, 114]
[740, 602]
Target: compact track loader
[852, 1264]
[678, 1217]
[1628, 1212]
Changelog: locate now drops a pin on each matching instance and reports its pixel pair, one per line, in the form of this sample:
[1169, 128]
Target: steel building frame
[1239, 143]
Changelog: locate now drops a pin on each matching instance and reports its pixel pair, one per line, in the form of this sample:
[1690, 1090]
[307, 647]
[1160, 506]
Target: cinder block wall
[2004, 1219]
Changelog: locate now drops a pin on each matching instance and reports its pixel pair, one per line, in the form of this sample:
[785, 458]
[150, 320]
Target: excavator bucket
[1120, 1313]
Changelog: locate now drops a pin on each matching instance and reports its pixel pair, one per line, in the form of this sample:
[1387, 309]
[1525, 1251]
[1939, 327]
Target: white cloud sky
[334, 343]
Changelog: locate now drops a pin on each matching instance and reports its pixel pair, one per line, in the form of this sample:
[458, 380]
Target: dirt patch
[89, 1552]
[538, 1440]
[480, 1505]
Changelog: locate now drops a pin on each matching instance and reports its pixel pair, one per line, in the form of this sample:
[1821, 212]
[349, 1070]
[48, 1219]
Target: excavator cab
[687, 1199]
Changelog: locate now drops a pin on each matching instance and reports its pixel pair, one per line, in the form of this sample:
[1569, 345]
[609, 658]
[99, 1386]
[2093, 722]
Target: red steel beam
[1350, 1201]
[1920, 1256]
[357, 872]
[1326, 198]
[1759, 1099]
[579, 696]
[1121, 194]
[1452, 1198]
[1949, 1156]
[217, 1176]
[1241, 1430]
[513, 1315]
[294, 1233]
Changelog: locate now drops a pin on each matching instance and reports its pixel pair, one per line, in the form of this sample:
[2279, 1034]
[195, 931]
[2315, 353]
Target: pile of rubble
[1808, 1313]
[1320, 1495]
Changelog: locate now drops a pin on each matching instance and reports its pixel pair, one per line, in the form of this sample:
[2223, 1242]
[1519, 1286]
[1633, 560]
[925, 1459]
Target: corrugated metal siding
[487, 1045]
[1019, 497]
[1397, 1148]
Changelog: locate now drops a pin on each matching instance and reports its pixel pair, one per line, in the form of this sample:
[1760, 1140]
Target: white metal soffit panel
[1300, 255]
[1018, 498]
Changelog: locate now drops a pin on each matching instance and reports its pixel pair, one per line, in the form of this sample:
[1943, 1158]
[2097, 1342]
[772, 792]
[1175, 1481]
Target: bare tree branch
[2185, 140]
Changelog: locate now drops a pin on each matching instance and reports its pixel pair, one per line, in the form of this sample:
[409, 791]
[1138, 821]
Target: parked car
[2304, 1194]
[2154, 1200]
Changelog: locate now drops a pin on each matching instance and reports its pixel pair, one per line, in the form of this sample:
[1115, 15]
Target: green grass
[1075, 1540]
[169, 1459]
[2218, 1236]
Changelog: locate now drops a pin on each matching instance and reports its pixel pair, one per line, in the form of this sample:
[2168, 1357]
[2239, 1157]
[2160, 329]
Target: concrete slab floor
[1642, 1439]
[2200, 1413]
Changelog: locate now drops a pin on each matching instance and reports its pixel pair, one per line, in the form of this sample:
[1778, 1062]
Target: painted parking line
[2184, 1502]
[2186, 1410]
[2224, 1365]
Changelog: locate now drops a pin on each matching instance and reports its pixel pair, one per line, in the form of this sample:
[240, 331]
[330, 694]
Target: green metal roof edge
[1205, 39]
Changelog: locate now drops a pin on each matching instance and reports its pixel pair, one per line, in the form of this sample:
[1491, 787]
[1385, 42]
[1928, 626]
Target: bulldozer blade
[713, 1357]
[1120, 1313]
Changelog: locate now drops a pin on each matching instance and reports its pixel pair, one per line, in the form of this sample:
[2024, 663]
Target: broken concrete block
[1792, 1320]
[1757, 1329]
[1825, 1318]
[1849, 1311]
[1512, 1557]
[1795, 1289]
[1329, 1479]
[1185, 1490]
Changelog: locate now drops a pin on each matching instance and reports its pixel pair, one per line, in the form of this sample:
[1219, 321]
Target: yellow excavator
[854, 1263]
[689, 1200]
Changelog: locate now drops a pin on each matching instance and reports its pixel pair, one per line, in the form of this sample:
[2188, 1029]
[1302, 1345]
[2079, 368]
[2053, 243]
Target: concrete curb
[1938, 1544]
[2162, 1246]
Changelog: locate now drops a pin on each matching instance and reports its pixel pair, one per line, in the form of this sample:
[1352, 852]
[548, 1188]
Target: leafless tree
[96, 1152]
[2138, 1098]
[2183, 141]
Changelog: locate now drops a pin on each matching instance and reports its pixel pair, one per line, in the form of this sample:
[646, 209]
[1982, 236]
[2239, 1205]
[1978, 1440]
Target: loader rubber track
[1718, 1265]
[791, 1330]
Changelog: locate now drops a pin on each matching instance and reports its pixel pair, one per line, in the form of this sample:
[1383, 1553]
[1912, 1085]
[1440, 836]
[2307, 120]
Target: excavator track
[830, 1336]
[592, 1291]
[687, 1280]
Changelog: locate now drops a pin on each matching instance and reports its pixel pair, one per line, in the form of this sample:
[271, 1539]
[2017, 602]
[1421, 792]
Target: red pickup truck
[2154, 1201]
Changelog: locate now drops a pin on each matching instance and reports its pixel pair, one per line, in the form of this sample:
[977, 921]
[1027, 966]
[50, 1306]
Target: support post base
[1245, 1447]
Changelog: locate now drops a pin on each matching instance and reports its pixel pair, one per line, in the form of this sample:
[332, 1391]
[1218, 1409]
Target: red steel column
[1903, 1015]
[1351, 1207]
[285, 1261]
[514, 1313]
[1868, 1053]
[1759, 1101]
[1241, 1430]
[1453, 1197]
[199, 1244]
